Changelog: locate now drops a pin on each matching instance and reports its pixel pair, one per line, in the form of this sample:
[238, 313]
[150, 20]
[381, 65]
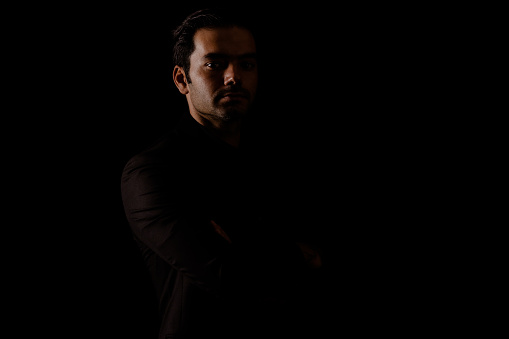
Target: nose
[232, 75]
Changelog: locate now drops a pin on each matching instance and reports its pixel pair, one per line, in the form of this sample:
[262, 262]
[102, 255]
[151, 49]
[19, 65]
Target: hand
[220, 231]
[311, 256]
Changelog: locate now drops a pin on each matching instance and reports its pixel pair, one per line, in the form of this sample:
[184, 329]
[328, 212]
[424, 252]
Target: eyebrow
[222, 56]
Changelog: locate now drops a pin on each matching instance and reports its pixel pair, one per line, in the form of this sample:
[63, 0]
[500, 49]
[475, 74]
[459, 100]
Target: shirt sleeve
[161, 214]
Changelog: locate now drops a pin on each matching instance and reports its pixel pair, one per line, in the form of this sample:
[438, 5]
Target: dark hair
[183, 35]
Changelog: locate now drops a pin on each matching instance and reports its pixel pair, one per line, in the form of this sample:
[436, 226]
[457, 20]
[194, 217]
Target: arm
[162, 218]
[312, 257]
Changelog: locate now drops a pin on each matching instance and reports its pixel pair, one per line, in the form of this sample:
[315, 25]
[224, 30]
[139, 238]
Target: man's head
[215, 65]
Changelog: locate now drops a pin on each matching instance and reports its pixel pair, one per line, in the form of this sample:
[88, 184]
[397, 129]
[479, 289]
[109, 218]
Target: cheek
[201, 90]
[251, 85]
[253, 79]
[209, 82]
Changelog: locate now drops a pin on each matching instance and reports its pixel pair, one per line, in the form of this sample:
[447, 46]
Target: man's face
[223, 73]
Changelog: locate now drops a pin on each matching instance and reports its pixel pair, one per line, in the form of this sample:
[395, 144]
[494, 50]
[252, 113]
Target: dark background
[346, 94]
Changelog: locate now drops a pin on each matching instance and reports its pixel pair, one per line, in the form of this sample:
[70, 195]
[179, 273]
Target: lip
[234, 95]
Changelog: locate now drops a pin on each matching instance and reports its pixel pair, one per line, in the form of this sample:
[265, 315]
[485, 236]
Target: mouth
[233, 96]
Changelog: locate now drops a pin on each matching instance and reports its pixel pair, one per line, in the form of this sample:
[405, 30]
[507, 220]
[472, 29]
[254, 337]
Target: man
[200, 201]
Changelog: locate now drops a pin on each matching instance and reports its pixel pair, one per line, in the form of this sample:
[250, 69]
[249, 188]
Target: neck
[232, 139]
[228, 131]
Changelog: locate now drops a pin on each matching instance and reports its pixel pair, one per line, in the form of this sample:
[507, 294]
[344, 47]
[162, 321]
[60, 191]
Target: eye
[215, 65]
[248, 65]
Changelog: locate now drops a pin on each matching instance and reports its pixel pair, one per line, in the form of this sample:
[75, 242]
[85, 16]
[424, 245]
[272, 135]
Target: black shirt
[205, 285]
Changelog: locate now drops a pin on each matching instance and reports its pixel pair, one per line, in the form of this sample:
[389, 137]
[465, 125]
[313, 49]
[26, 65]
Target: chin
[233, 114]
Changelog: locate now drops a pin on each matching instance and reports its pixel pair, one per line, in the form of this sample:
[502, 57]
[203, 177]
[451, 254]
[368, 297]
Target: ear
[179, 78]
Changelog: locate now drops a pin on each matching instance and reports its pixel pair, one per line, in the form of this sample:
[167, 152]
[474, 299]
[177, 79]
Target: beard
[231, 113]
[228, 104]
[227, 113]
[233, 110]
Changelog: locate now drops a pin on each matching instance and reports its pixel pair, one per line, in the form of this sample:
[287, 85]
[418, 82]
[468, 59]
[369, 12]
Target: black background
[350, 110]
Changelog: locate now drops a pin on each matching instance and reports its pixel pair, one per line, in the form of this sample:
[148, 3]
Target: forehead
[230, 41]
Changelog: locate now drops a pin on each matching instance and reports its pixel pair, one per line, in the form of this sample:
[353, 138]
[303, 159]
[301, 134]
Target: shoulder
[156, 169]
[165, 150]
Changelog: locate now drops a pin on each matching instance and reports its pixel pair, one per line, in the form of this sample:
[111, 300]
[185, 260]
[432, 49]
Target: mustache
[233, 90]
